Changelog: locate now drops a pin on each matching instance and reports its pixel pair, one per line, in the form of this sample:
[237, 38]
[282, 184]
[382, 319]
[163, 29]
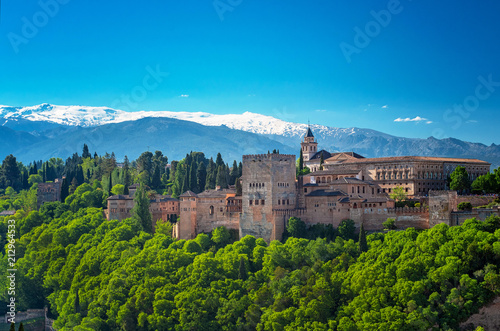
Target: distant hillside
[59, 129]
[173, 137]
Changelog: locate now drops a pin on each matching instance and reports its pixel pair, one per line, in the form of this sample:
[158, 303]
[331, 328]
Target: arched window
[211, 211]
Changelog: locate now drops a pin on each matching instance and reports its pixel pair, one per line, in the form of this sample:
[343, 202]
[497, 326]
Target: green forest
[95, 274]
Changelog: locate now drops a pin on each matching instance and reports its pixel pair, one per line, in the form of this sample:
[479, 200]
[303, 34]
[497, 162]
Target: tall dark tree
[110, 184]
[221, 177]
[201, 176]
[321, 161]
[243, 269]
[79, 175]
[219, 161]
[240, 169]
[234, 172]
[237, 184]
[141, 212]
[211, 175]
[185, 179]
[10, 174]
[86, 153]
[64, 189]
[301, 161]
[156, 179]
[145, 163]
[363, 245]
[126, 174]
[193, 180]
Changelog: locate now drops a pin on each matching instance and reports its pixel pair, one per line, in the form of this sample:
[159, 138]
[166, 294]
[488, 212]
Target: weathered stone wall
[48, 192]
[476, 200]
[459, 217]
[186, 227]
[268, 183]
[211, 213]
[441, 204]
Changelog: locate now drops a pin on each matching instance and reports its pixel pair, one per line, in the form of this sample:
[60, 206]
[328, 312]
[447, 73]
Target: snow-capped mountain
[37, 131]
[94, 116]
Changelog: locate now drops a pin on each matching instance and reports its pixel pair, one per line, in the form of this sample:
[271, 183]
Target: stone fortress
[348, 186]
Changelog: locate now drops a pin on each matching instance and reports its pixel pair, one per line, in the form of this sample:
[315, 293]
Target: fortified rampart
[268, 184]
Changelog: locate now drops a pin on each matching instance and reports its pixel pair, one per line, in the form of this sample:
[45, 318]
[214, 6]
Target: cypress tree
[238, 186]
[21, 327]
[86, 153]
[234, 172]
[64, 189]
[141, 212]
[193, 180]
[156, 179]
[185, 181]
[363, 245]
[12, 327]
[321, 161]
[110, 184]
[221, 177]
[240, 169]
[219, 161]
[243, 269]
[301, 161]
[201, 176]
[79, 175]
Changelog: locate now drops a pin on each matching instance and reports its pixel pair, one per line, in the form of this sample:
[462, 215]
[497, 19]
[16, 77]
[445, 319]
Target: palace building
[416, 174]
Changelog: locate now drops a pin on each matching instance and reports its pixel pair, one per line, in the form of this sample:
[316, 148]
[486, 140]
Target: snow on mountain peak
[86, 116]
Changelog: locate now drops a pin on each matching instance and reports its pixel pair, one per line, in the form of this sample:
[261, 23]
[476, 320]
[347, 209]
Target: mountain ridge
[51, 124]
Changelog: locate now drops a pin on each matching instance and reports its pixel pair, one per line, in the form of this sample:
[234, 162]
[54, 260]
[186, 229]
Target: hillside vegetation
[96, 274]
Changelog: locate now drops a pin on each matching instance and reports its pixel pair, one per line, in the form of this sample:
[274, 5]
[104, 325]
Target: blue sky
[410, 68]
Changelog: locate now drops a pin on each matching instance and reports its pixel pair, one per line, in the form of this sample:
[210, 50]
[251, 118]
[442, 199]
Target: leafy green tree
[118, 189]
[10, 174]
[221, 236]
[464, 206]
[398, 194]
[296, 228]
[347, 229]
[141, 212]
[460, 180]
[201, 176]
[389, 224]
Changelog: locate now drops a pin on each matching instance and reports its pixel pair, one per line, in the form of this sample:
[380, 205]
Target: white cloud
[320, 110]
[184, 95]
[471, 121]
[416, 119]
[384, 107]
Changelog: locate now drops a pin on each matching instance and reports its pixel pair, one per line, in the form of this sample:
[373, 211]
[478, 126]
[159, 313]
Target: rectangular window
[250, 202]
[256, 202]
[262, 202]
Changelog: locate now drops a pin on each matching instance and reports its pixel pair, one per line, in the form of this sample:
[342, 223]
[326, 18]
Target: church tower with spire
[309, 145]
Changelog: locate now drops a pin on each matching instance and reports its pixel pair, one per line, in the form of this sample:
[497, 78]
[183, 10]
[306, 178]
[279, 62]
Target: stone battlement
[409, 210]
[272, 156]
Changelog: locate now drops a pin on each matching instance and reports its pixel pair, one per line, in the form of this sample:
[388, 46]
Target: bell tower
[309, 145]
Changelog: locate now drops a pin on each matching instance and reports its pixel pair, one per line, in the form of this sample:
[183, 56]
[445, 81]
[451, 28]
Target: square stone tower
[268, 193]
